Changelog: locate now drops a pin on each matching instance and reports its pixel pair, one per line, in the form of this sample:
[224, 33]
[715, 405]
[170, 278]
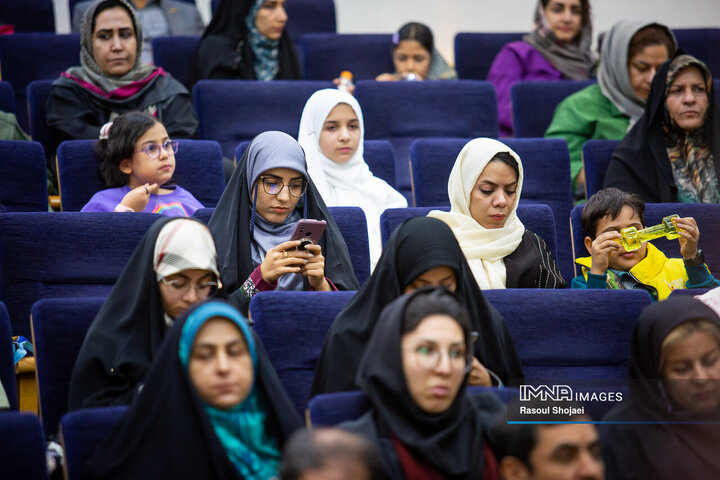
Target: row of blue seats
[46, 255]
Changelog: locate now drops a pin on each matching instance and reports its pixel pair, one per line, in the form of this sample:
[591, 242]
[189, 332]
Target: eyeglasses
[429, 357]
[273, 186]
[153, 150]
[181, 287]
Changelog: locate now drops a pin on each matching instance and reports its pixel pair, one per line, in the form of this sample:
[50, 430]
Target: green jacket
[9, 128]
[586, 115]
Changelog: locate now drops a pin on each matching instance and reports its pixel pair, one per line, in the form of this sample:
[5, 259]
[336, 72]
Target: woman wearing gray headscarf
[631, 53]
[111, 80]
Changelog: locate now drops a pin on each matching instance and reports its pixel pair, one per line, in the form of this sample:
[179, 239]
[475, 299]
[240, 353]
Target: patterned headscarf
[690, 156]
[89, 71]
[266, 51]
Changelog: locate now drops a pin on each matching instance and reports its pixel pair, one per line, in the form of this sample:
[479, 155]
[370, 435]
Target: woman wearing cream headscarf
[332, 134]
[484, 190]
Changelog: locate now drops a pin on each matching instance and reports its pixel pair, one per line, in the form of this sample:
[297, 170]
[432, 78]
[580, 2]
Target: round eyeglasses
[181, 287]
[274, 185]
[152, 150]
[429, 357]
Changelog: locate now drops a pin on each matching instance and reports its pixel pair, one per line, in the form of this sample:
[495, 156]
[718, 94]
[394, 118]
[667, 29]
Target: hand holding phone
[308, 231]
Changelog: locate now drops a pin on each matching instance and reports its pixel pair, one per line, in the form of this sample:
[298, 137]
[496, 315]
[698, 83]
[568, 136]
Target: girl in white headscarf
[331, 133]
[484, 190]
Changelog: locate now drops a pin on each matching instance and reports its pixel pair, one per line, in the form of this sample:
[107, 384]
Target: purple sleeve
[259, 281]
[506, 69]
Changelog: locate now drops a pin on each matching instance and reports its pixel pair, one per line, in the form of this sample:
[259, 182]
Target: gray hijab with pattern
[89, 71]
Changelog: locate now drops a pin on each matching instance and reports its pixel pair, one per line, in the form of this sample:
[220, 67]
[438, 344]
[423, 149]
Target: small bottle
[631, 237]
[346, 81]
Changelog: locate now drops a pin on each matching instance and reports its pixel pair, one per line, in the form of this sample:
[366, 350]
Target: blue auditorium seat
[706, 215]
[533, 104]
[7, 97]
[22, 448]
[82, 431]
[198, 169]
[309, 16]
[23, 179]
[353, 227]
[366, 56]
[19, 63]
[475, 52]
[173, 54]
[304, 317]
[330, 409]
[46, 255]
[231, 111]
[7, 367]
[405, 111]
[28, 15]
[571, 334]
[37, 95]
[546, 164]
[703, 43]
[379, 156]
[59, 326]
[596, 155]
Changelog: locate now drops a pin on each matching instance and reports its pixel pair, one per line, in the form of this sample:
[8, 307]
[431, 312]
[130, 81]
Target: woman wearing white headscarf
[631, 53]
[484, 190]
[331, 133]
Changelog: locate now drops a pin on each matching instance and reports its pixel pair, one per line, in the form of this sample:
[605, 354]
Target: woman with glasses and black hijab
[173, 267]
[414, 372]
[265, 198]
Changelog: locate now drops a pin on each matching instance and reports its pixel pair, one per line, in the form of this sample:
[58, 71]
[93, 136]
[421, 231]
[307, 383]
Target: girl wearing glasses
[415, 372]
[137, 162]
[173, 267]
[255, 218]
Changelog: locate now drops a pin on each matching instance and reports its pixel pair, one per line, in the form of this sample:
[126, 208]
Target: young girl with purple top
[137, 162]
[558, 48]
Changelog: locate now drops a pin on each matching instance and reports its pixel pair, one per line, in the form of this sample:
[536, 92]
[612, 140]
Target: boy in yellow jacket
[610, 266]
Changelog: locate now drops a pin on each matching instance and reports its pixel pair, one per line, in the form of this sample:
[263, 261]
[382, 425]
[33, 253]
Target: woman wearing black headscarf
[247, 40]
[422, 251]
[675, 391]
[254, 220]
[111, 80]
[414, 372]
[672, 154]
[212, 407]
[173, 267]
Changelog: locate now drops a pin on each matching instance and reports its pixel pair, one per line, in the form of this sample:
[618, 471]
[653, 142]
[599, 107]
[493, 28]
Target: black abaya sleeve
[179, 117]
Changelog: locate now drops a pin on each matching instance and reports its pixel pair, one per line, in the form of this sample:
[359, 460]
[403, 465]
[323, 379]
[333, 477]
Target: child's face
[411, 57]
[141, 168]
[620, 259]
[340, 134]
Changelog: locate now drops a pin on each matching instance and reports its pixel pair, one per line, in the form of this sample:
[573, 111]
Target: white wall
[447, 17]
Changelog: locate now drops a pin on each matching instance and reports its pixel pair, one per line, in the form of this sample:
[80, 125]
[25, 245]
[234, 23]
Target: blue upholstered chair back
[46, 255]
[706, 215]
[304, 317]
[596, 155]
[533, 104]
[83, 431]
[19, 63]
[175, 55]
[7, 97]
[37, 93]
[198, 169]
[22, 448]
[7, 368]
[536, 217]
[28, 15]
[233, 111]
[379, 156]
[405, 111]
[353, 227]
[546, 164]
[366, 56]
[703, 43]
[59, 326]
[329, 409]
[309, 16]
[571, 334]
[475, 52]
[23, 180]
